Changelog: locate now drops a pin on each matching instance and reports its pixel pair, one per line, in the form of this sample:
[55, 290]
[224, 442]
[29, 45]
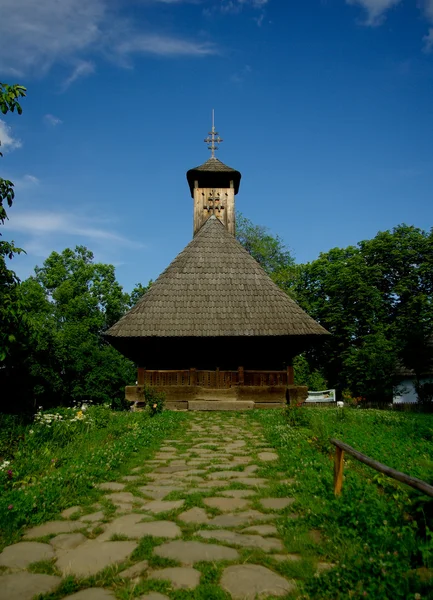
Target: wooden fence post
[141, 375]
[290, 375]
[338, 470]
[241, 375]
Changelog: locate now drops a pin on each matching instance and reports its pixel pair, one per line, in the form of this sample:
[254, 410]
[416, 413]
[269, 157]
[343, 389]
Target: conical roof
[211, 172]
[214, 288]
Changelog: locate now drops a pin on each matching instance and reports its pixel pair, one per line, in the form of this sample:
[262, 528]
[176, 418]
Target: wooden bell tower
[213, 187]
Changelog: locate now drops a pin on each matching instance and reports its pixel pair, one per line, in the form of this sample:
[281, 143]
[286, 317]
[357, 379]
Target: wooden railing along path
[341, 448]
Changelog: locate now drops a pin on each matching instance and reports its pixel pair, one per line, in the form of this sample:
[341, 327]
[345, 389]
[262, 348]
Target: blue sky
[325, 106]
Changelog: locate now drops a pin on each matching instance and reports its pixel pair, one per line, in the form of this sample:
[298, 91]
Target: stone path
[201, 512]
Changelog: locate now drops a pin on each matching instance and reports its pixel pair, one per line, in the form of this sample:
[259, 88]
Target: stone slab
[92, 594]
[194, 515]
[238, 493]
[243, 518]
[111, 486]
[132, 477]
[181, 578]
[249, 582]
[158, 492]
[25, 586]
[220, 405]
[226, 504]
[136, 570]
[239, 539]
[68, 512]
[189, 553]
[253, 481]
[93, 556]
[67, 541]
[159, 506]
[21, 555]
[267, 456]
[261, 529]
[132, 527]
[93, 517]
[276, 503]
[53, 527]
[124, 498]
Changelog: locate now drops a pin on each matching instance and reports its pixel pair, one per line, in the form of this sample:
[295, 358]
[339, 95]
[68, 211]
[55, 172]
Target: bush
[154, 401]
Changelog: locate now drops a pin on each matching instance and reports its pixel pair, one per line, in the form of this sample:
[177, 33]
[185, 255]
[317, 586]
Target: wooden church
[214, 332]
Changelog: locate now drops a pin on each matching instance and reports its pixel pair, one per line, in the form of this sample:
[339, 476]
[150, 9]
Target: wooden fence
[341, 448]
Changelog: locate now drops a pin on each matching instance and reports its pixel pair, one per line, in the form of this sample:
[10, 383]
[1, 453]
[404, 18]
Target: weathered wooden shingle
[215, 288]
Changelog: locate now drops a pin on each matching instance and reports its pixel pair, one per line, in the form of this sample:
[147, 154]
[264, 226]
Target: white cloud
[43, 225]
[52, 120]
[36, 34]
[376, 9]
[7, 141]
[164, 46]
[82, 69]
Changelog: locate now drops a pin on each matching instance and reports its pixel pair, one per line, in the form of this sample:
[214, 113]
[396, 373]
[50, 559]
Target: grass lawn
[379, 533]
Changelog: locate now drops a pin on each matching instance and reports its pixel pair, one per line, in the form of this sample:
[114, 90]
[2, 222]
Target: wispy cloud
[428, 40]
[376, 9]
[82, 69]
[164, 46]
[26, 182]
[45, 225]
[7, 141]
[36, 35]
[239, 76]
[52, 120]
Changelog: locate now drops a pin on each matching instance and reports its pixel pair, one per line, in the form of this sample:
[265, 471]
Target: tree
[138, 292]
[63, 358]
[9, 309]
[268, 250]
[376, 300]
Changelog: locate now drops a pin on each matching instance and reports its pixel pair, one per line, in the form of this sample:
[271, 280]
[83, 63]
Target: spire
[213, 140]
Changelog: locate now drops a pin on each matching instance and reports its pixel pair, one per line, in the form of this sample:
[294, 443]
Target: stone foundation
[234, 398]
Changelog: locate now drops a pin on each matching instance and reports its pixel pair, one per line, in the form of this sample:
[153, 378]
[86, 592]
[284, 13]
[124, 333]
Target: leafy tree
[9, 309]
[68, 303]
[268, 250]
[376, 300]
[137, 293]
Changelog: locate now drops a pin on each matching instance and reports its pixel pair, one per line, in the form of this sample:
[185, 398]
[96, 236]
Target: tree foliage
[376, 300]
[267, 249]
[9, 307]
[61, 356]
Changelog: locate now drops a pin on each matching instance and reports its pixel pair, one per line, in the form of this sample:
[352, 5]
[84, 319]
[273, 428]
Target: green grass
[376, 532]
[56, 465]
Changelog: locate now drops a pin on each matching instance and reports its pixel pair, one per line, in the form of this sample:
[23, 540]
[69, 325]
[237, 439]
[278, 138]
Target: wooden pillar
[141, 375]
[290, 375]
[241, 375]
[338, 470]
[193, 377]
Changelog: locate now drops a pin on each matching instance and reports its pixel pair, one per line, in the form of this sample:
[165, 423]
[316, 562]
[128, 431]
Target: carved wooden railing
[214, 379]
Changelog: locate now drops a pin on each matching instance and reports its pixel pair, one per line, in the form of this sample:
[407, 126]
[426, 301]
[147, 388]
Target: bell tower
[213, 187]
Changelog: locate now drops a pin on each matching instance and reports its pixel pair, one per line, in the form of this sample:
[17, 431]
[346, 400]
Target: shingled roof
[213, 166]
[215, 288]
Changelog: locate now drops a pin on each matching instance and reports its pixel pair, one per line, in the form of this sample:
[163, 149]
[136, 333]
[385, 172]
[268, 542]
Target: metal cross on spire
[213, 140]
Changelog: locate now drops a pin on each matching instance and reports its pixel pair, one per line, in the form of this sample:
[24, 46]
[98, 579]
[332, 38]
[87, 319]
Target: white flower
[31, 431]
